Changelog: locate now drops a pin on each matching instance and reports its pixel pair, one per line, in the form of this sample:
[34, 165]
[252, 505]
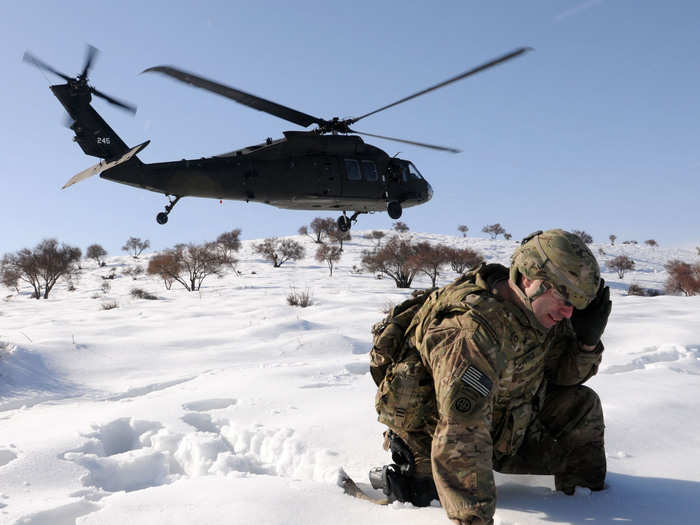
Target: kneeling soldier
[488, 376]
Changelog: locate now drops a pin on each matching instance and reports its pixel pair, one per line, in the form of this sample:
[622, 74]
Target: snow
[228, 405]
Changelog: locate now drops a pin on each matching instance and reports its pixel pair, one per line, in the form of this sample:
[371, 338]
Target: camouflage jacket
[472, 373]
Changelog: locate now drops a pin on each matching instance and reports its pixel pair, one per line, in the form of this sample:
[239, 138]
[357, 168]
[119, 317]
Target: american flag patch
[477, 380]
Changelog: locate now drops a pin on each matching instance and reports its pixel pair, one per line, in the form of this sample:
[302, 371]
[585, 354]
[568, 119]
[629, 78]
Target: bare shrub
[110, 305]
[585, 237]
[328, 254]
[394, 259]
[651, 242]
[97, 253]
[463, 259]
[400, 227]
[429, 259]
[139, 293]
[42, 266]
[682, 277]
[278, 251]
[188, 264]
[612, 238]
[494, 230]
[601, 251]
[629, 242]
[10, 278]
[301, 299]
[133, 271]
[111, 275]
[621, 264]
[135, 246]
[635, 289]
[106, 287]
[463, 229]
[507, 236]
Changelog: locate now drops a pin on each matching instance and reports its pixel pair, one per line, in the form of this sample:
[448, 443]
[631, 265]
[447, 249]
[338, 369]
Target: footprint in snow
[204, 405]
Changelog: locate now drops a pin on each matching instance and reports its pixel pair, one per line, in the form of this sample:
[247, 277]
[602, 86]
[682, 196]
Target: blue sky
[597, 129]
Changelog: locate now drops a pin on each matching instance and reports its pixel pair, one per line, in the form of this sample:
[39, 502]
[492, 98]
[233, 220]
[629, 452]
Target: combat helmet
[562, 260]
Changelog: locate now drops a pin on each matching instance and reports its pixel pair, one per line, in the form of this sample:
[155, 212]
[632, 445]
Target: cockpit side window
[414, 173]
[369, 171]
[352, 169]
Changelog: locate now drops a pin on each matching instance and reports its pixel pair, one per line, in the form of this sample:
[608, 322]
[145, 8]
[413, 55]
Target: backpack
[389, 334]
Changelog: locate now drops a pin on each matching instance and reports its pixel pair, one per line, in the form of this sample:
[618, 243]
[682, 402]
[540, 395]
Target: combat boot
[401, 487]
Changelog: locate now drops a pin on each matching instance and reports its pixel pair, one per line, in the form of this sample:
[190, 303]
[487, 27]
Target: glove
[590, 322]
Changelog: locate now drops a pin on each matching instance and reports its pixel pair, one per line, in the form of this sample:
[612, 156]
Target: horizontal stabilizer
[105, 165]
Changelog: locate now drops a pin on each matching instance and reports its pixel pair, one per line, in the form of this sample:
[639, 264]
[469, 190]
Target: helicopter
[327, 168]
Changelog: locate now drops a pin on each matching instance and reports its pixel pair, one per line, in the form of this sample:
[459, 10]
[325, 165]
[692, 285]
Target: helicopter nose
[430, 192]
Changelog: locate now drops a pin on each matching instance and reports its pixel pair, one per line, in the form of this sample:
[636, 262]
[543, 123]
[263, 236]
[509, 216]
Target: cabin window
[369, 171]
[352, 168]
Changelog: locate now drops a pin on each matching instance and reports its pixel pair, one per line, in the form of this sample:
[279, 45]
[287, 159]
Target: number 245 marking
[103, 140]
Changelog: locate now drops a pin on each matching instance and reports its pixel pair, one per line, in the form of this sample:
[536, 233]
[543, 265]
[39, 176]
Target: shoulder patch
[477, 380]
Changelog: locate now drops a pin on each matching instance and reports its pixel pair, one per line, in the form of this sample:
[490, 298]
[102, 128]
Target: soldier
[488, 376]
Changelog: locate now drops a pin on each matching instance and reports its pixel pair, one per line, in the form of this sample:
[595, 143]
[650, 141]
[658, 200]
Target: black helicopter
[327, 168]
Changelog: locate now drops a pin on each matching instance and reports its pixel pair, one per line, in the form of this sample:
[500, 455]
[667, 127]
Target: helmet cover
[561, 259]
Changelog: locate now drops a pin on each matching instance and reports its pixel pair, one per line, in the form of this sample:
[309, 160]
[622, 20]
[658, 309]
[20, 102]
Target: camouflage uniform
[481, 385]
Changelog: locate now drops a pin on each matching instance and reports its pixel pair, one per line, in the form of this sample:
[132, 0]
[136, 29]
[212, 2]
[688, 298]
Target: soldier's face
[550, 307]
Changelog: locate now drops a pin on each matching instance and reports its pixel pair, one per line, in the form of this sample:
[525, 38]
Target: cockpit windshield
[413, 172]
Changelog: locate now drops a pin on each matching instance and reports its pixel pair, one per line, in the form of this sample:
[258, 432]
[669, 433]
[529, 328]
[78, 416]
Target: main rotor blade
[90, 55]
[31, 59]
[124, 105]
[470, 72]
[422, 144]
[278, 110]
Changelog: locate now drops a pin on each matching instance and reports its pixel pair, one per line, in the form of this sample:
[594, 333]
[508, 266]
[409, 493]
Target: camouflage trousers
[564, 439]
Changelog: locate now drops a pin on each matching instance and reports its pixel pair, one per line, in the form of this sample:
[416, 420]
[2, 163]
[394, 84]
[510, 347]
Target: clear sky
[597, 129]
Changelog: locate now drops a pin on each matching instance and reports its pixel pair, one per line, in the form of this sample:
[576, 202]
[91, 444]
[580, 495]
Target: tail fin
[92, 133]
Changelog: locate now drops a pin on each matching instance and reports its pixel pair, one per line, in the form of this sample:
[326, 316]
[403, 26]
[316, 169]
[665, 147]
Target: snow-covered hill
[228, 405]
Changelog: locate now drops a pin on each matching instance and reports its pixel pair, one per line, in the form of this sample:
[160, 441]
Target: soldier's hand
[590, 322]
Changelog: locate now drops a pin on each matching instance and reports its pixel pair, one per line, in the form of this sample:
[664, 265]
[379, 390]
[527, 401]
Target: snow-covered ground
[230, 406]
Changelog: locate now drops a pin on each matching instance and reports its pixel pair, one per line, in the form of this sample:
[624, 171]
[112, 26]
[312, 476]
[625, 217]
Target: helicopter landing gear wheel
[394, 209]
[344, 223]
[162, 217]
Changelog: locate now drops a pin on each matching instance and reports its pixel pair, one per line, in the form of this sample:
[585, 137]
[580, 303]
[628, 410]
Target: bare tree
[507, 236]
[400, 227]
[429, 259]
[320, 227]
[494, 230]
[166, 266]
[10, 277]
[189, 264]
[337, 236]
[463, 229]
[328, 254]
[621, 264]
[135, 246]
[377, 236]
[228, 243]
[651, 242]
[585, 237]
[682, 277]
[41, 267]
[463, 259]
[394, 259]
[96, 252]
[278, 251]
[612, 238]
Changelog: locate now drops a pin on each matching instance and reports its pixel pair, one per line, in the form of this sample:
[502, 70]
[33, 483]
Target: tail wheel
[394, 209]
